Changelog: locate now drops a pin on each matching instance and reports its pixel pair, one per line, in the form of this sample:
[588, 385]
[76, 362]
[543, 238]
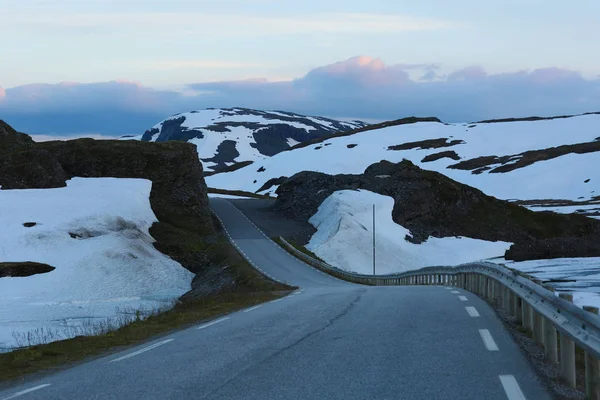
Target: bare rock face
[178, 196]
[178, 193]
[11, 140]
[431, 204]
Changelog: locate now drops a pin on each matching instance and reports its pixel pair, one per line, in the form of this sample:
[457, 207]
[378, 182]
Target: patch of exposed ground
[272, 182]
[509, 163]
[402, 121]
[23, 269]
[231, 168]
[238, 193]
[488, 121]
[438, 156]
[426, 144]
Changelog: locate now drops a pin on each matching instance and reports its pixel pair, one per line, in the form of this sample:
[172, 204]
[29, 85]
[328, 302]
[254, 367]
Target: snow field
[110, 265]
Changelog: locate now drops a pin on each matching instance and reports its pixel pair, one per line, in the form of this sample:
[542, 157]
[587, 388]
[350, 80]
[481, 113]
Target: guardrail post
[567, 352]
[592, 369]
[526, 315]
[518, 311]
[500, 288]
[550, 339]
[512, 309]
[484, 286]
[538, 327]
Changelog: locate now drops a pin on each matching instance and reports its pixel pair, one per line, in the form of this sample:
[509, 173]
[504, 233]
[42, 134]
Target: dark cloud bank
[361, 87]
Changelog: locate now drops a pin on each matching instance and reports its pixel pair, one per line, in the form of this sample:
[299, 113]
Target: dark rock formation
[426, 144]
[226, 152]
[438, 156]
[402, 121]
[512, 162]
[431, 204]
[272, 182]
[23, 269]
[528, 119]
[11, 140]
[178, 196]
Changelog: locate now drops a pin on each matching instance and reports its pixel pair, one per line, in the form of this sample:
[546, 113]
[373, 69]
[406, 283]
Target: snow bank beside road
[95, 232]
[580, 276]
[344, 238]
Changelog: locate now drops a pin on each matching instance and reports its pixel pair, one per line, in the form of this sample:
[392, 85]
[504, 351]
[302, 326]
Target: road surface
[329, 340]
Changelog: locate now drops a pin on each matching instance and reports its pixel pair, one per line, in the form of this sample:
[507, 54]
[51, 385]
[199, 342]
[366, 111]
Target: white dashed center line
[472, 311]
[253, 308]
[462, 298]
[511, 387]
[145, 349]
[22, 392]
[455, 292]
[213, 323]
[488, 340]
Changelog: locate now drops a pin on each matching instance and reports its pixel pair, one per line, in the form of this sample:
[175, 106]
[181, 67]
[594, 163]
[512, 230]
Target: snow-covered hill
[548, 164]
[95, 233]
[227, 136]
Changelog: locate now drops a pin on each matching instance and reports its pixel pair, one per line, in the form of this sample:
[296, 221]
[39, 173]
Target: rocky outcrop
[431, 204]
[178, 196]
[23, 269]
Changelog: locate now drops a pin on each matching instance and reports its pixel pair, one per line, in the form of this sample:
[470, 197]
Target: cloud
[360, 87]
[199, 64]
[204, 23]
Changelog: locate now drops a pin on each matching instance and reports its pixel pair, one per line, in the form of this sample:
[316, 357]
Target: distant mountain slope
[548, 164]
[232, 135]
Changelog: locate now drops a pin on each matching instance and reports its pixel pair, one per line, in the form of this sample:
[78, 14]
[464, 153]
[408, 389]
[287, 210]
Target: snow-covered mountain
[544, 163]
[232, 135]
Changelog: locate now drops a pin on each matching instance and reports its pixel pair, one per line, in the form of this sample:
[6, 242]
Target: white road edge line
[213, 323]
[472, 311]
[463, 298]
[253, 308]
[488, 340]
[511, 387]
[22, 392]
[275, 301]
[145, 349]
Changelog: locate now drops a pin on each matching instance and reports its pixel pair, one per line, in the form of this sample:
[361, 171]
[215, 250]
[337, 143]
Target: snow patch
[95, 232]
[344, 238]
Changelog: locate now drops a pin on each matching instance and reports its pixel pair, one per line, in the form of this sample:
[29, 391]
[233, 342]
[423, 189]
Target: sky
[120, 66]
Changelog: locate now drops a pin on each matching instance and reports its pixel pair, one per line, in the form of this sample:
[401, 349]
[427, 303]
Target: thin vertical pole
[373, 239]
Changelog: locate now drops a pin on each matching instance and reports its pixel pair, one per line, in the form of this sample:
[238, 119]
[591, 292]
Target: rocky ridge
[431, 204]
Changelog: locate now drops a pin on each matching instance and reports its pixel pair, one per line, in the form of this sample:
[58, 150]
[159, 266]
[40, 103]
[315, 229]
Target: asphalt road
[329, 340]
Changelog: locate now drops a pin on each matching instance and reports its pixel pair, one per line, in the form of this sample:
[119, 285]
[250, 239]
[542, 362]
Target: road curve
[330, 340]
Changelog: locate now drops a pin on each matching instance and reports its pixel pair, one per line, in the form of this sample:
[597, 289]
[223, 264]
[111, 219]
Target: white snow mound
[111, 263]
[344, 238]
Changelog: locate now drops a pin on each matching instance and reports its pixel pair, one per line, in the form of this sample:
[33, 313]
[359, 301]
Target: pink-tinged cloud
[360, 87]
[2, 93]
[356, 72]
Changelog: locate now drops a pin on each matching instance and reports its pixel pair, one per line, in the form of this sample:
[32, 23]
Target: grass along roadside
[56, 354]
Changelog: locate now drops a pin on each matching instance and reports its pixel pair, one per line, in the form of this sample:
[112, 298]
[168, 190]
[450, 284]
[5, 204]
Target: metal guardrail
[554, 322]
